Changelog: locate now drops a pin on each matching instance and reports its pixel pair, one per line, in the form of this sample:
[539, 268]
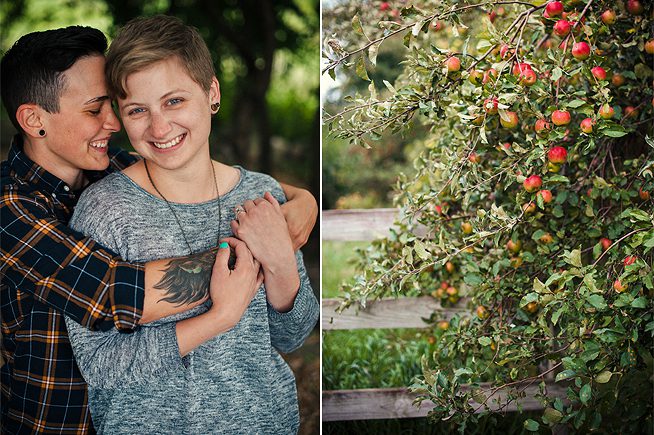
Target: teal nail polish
[223, 245]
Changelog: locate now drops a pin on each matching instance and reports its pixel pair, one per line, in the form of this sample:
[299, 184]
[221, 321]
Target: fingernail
[223, 245]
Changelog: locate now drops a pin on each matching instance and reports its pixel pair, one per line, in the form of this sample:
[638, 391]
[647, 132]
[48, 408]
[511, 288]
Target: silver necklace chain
[170, 207]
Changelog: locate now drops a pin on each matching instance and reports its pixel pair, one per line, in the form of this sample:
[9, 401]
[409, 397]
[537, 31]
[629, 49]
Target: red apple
[561, 117]
[608, 17]
[649, 46]
[546, 195]
[528, 78]
[506, 52]
[581, 50]
[474, 158]
[453, 64]
[490, 106]
[643, 194]
[629, 260]
[529, 207]
[587, 125]
[511, 122]
[492, 15]
[606, 243]
[617, 80]
[606, 111]
[532, 183]
[475, 77]
[554, 8]
[489, 75]
[634, 7]
[617, 285]
[557, 155]
[599, 73]
[546, 238]
[482, 312]
[520, 67]
[436, 26]
[630, 112]
[384, 6]
[542, 127]
[562, 28]
[514, 246]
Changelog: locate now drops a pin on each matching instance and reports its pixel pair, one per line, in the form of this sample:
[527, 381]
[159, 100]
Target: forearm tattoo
[186, 280]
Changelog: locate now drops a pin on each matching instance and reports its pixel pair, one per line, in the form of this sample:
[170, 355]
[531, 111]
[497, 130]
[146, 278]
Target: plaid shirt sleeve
[64, 269]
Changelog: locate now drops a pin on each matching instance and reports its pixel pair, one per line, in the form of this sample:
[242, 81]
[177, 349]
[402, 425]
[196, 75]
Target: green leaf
[597, 301]
[361, 69]
[484, 341]
[556, 74]
[552, 415]
[565, 374]
[585, 394]
[573, 258]
[472, 279]
[530, 297]
[640, 302]
[531, 425]
[557, 314]
[603, 377]
[356, 25]
[576, 103]
[614, 133]
[421, 251]
[372, 53]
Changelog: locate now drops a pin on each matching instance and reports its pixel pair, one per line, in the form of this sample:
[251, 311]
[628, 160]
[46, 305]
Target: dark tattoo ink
[186, 280]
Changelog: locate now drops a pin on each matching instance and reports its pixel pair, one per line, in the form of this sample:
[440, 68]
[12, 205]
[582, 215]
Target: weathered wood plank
[385, 403]
[388, 313]
[357, 224]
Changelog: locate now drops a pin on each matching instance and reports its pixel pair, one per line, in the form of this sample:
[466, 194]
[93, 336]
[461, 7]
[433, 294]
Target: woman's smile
[170, 145]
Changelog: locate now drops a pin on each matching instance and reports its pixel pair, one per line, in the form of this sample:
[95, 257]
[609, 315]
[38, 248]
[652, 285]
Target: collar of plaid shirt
[42, 388]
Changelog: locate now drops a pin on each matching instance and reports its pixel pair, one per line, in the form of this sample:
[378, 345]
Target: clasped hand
[263, 228]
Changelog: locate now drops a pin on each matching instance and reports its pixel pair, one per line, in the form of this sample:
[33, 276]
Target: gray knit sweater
[234, 383]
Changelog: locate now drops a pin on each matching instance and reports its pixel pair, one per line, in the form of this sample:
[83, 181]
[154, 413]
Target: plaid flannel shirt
[48, 270]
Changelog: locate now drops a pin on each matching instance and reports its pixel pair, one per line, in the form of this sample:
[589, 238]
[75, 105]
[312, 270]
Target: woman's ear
[29, 117]
[214, 91]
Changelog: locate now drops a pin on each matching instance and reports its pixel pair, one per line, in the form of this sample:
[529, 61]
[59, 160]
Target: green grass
[364, 358]
[369, 358]
[337, 266]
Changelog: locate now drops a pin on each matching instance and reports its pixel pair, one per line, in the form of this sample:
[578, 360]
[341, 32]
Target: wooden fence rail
[387, 403]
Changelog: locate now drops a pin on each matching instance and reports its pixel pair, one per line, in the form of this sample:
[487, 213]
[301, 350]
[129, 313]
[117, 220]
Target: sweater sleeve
[289, 330]
[111, 359]
[108, 359]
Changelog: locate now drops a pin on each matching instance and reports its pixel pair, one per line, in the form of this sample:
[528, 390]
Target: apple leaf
[552, 415]
[484, 341]
[603, 377]
[585, 394]
[361, 69]
[565, 374]
[597, 301]
[531, 425]
[356, 25]
[614, 133]
[640, 302]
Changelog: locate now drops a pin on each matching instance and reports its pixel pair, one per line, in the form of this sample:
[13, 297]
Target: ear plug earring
[215, 107]
[41, 132]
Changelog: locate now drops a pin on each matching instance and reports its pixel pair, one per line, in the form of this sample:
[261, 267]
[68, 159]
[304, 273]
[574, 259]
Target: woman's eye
[174, 101]
[136, 111]
[94, 112]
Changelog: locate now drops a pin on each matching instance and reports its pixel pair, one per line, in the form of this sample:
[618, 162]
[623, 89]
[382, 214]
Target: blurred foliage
[550, 233]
